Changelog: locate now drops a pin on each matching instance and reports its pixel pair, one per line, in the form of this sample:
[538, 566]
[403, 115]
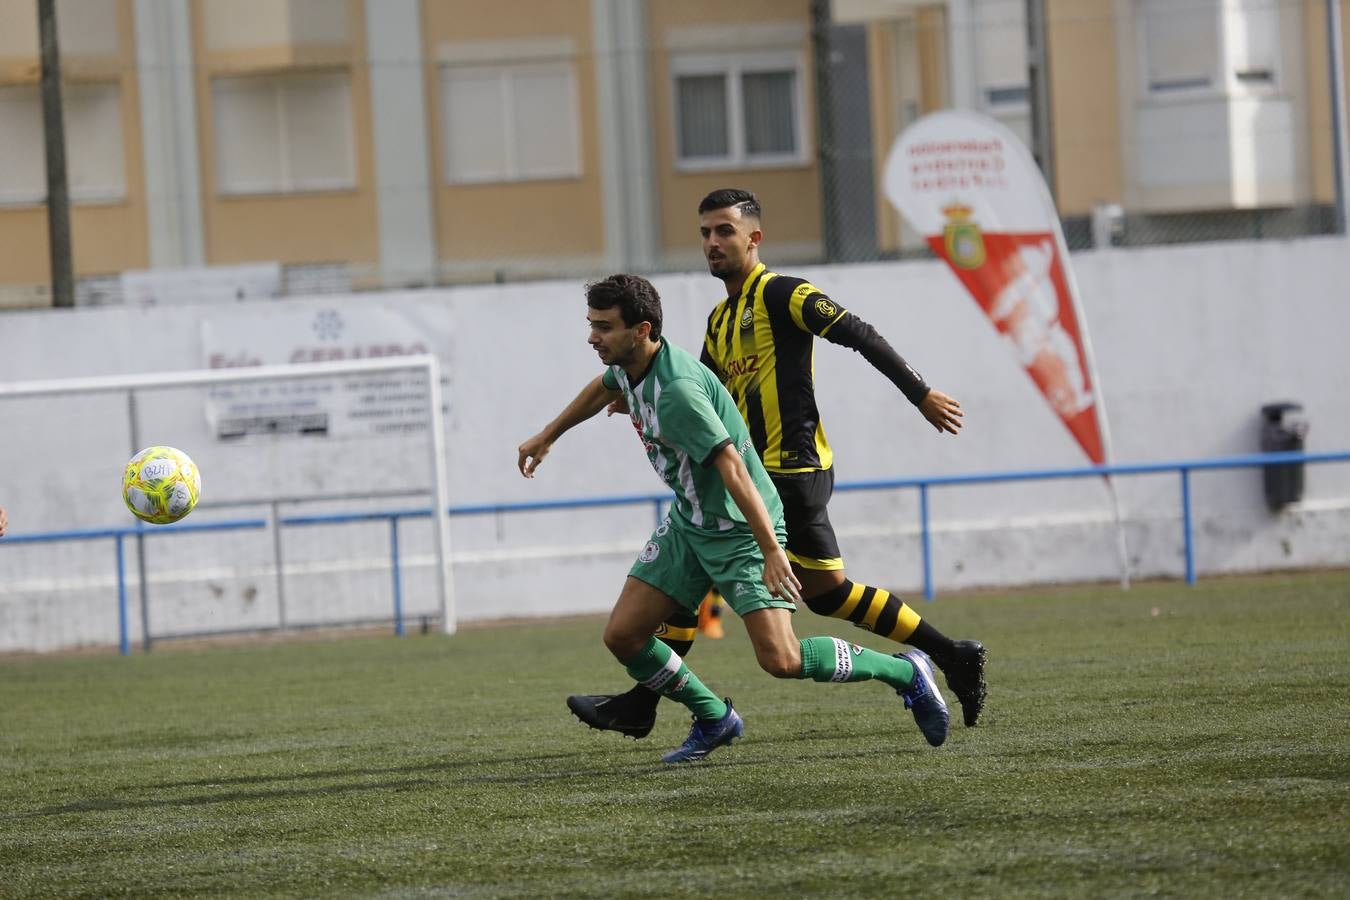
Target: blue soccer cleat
[924, 698]
[705, 737]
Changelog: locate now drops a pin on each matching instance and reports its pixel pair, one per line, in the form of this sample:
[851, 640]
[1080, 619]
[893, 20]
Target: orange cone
[710, 615]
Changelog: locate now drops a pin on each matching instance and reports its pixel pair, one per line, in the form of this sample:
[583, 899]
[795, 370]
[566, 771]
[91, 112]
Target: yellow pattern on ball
[161, 485]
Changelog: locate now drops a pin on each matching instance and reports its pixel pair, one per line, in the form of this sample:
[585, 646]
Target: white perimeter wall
[1190, 342]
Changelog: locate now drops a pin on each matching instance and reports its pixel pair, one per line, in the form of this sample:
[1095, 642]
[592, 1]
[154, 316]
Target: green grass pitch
[1168, 741]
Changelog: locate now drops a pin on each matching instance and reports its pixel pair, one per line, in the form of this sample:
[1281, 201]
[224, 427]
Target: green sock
[830, 659]
[660, 669]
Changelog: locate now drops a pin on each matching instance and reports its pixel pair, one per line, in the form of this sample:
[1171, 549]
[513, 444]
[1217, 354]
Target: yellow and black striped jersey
[761, 345]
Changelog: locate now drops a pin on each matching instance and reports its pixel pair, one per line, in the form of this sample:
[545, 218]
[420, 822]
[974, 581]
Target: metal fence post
[1186, 525]
[124, 640]
[278, 566]
[1336, 69]
[398, 575]
[926, 540]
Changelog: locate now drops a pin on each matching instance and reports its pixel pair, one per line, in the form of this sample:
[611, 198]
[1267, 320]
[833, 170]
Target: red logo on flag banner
[971, 188]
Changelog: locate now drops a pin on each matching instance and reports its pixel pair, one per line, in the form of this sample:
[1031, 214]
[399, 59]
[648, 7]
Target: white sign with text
[375, 404]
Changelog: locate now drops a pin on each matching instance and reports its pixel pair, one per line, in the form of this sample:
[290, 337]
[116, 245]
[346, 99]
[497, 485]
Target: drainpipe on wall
[54, 133]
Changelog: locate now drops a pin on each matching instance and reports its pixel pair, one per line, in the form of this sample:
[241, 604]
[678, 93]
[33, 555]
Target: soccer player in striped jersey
[760, 342]
[725, 528]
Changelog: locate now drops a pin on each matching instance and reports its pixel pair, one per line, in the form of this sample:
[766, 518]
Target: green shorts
[684, 563]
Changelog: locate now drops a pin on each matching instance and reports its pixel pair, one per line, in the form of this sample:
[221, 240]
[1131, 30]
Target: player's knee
[623, 643]
[780, 662]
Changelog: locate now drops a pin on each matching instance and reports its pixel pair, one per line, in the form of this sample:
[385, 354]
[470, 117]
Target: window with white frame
[509, 122]
[95, 165]
[283, 134]
[738, 110]
[1001, 57]
[1181, 45]
[1230, 46]
[1252, 42]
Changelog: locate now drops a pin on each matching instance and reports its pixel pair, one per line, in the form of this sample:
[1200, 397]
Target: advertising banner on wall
[972, 189]
[368, 404]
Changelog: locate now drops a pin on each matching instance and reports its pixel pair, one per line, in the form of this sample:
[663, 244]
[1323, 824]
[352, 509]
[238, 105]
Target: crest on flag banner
[961, 238]
[971, 188]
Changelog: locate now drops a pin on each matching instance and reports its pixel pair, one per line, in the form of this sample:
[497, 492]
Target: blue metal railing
[659, 502]
[119, 535]
[1183, 468]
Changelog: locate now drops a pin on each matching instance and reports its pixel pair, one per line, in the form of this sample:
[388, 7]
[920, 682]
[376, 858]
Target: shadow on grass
[651, 747]
[648, 766]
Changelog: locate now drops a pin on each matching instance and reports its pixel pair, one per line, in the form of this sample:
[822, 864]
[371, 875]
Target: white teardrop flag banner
[973, 190]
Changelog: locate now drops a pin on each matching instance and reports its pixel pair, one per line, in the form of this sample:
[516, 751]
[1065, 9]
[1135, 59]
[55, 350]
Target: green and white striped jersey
[684, 416]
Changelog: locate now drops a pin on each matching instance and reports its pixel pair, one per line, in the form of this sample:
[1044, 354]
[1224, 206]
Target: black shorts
[811, 543]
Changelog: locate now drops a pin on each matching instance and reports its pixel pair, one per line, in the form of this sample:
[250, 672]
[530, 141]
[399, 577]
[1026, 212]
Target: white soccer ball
[161, 485]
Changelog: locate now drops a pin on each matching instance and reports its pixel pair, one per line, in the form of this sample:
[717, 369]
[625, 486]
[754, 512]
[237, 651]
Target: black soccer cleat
[610, 713]
[964, 670]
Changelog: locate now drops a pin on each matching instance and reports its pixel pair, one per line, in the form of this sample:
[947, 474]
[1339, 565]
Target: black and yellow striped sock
[677, 633]
[881, 612]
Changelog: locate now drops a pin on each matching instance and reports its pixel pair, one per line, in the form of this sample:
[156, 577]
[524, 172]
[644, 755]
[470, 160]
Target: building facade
[360, 144]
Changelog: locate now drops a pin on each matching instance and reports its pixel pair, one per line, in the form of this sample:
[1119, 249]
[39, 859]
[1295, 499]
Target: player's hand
[942, 412]
[4, 521]
[779, 578]
[619, 406]
[532, 453]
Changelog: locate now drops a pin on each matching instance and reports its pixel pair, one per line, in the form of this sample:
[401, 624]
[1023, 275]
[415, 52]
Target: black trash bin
[1283, 428]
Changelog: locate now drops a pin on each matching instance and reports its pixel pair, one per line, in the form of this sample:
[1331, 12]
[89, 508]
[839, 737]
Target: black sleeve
[851, 331]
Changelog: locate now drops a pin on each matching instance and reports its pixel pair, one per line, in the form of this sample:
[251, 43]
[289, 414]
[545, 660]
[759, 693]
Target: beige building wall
[883, 65]
[558, 218]
[1085, 105]
[931, 22]
[1320, 138]
[106, 236]
[536, 218]
[907, 63]
[294, 228]
[790, 194]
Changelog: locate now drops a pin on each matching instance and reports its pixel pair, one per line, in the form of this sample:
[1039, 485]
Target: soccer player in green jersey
[725, 528]
[760, 342]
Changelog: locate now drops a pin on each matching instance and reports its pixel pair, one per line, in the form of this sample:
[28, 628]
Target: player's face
[729, 239]
[614, 342]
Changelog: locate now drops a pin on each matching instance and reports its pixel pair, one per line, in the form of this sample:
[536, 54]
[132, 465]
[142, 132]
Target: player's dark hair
[635, 297]
[722, 198]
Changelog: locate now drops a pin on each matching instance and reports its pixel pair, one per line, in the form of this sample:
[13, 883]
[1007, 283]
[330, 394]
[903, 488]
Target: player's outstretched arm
[778, 576]
[941, 411]
[593, 398]
[852, 332]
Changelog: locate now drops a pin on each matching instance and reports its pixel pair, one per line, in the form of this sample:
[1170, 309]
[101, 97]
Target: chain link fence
[834, 138]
